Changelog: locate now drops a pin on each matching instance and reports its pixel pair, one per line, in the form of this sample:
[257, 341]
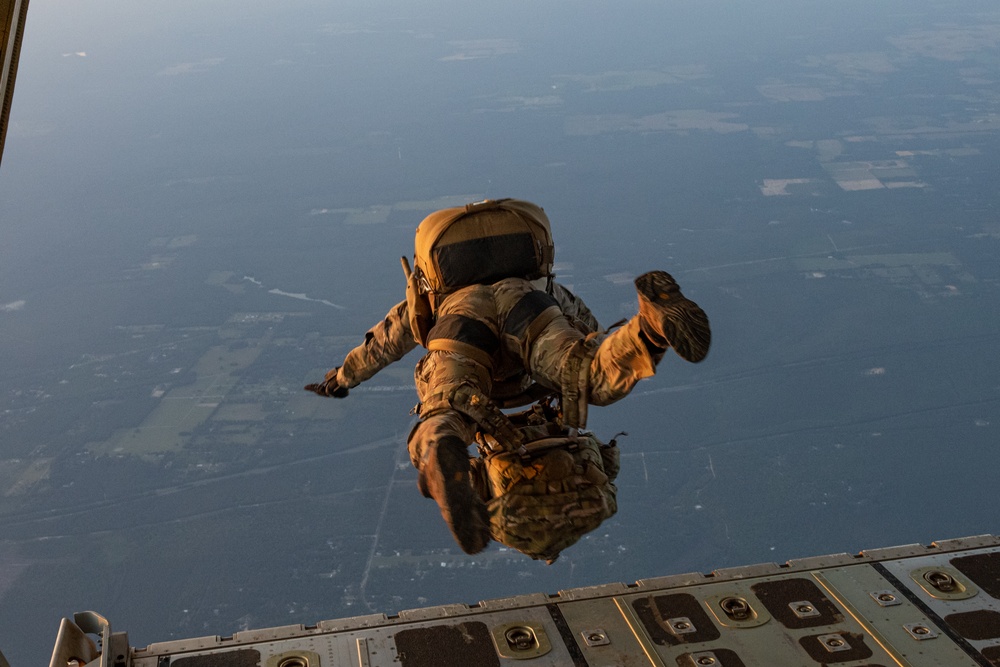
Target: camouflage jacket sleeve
[575, 309]
[386, 342]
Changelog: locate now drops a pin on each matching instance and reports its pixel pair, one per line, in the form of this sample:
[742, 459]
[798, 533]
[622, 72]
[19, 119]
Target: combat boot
[668, 319]
[444, 476]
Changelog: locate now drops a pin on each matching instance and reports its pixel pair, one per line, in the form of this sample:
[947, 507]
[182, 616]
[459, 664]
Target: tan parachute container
[481, 243]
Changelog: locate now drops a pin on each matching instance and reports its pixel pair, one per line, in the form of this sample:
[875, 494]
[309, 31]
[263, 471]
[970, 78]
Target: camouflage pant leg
[621, 358]
[432, 429]
[437, 375]
[467, 317]
[468, 314]
[620, 361]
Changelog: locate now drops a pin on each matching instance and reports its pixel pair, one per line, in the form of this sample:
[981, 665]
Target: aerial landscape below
[202, 209]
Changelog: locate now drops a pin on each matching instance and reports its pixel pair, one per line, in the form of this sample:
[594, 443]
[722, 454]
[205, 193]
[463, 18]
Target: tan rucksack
[547, 493]
[543, 503]
[476, 244]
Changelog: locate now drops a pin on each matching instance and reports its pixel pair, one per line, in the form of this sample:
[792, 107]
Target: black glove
[329, 386]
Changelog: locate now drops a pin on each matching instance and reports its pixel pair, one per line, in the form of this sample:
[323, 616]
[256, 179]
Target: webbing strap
[507, 468]
[544, 319]
[575, 382]
[536, 447]
[478, 355]
[473, 403]
[534, 392]
[527, 309]
[548, 255]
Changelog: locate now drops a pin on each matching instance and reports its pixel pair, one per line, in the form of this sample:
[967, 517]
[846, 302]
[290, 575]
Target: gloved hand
[329, 386]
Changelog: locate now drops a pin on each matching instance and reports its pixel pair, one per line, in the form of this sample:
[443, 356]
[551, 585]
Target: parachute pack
[476, 244]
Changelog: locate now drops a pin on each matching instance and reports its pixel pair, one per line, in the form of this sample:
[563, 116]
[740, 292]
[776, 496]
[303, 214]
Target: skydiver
[499, 331]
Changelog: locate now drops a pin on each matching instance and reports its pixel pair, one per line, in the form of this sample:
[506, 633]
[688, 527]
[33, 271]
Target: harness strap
[471, 351]
[530, 315]
[473, 403]
[536, 447]
[544, 319]
[466, 336]
[535, 392]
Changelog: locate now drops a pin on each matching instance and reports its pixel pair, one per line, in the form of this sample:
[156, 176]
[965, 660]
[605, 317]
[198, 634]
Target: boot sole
[462, 509]
[684, 324]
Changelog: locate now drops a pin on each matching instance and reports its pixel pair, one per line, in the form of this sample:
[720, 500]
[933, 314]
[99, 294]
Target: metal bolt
[595, 637]
[834, 643]
[680, 625]
[706, 660]
[920, 631]
[804, 609]
[885, 598]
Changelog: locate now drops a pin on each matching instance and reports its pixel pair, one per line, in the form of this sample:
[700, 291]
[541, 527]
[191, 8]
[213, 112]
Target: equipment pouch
[418, 305]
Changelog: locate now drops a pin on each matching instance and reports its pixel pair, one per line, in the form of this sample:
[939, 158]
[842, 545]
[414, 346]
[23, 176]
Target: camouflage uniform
[487, 344]
[496, 319]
